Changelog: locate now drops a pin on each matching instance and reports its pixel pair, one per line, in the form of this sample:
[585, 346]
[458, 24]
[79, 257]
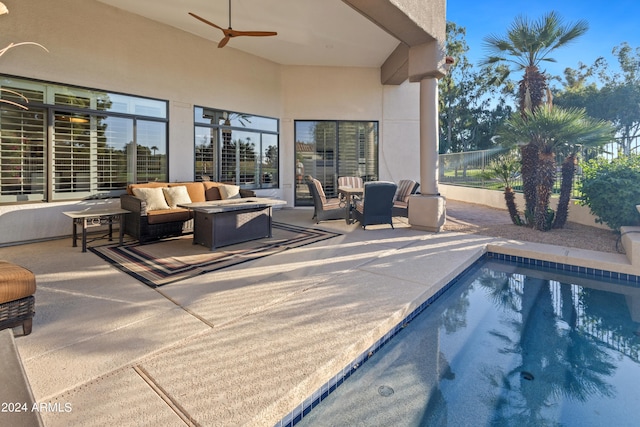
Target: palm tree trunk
[532, 89]
[568, 172]
[510, 199]
[529, 172]
[545, 181]
[531, 92]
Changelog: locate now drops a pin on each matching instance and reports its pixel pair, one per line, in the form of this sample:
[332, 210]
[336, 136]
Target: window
[236, 148]
[74, 143]
[327, 150]
[22, 154]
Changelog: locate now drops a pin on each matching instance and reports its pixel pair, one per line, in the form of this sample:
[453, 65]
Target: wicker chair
[406, 188]
[350, 181]
[377, 204]
[17, 286]
[324, 209]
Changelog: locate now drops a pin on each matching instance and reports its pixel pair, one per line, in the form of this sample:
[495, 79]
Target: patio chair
[377, 204]
[350, 182]
[406, 188]
[17, 286]
[324, 209]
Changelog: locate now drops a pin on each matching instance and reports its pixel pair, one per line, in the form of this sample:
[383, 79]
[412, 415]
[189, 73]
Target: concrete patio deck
[240, 346]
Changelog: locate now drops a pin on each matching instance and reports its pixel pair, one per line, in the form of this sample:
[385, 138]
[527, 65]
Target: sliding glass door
[327, 150]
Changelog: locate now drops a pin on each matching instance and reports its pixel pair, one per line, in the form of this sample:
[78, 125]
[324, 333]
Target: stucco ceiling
[310, 32]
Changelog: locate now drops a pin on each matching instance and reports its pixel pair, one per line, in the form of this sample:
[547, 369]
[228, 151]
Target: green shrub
[611, 189]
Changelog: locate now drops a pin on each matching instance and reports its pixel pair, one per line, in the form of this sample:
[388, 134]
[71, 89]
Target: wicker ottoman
[17, 286]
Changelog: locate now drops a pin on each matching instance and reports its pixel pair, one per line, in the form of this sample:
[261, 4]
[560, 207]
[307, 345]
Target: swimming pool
[506, 344]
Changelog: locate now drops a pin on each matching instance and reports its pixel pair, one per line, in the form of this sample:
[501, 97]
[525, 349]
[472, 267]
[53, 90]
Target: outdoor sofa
[153, 205]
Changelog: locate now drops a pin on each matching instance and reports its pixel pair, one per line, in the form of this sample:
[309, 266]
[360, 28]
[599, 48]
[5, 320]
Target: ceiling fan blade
[230, 32]
[206, 22]
[224, 41]
[254, 33]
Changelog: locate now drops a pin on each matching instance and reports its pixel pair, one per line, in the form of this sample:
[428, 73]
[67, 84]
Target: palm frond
[530, 42]
[550, 128]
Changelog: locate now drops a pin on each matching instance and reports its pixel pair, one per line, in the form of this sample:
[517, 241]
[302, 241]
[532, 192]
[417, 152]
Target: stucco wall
[97, 46]
[495, 199]
[400, 130]
[356, 94]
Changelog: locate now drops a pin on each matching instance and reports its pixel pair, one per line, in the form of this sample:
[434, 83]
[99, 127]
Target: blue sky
[610, 23]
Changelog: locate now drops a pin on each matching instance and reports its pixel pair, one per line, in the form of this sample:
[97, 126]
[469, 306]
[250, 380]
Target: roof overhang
[349, 33]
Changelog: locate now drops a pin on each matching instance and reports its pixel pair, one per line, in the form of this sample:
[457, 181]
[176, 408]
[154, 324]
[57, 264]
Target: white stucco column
[429, 138]
[427, 63]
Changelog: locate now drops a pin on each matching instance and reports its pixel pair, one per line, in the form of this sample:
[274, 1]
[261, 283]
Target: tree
[527, 45]
[609, 95]
[271, 156]
[468, 121]
[506, 167]
[610, 189]
[549, 129]
[586, 133]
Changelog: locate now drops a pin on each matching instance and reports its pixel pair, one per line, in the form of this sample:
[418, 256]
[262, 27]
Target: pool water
[504, 346]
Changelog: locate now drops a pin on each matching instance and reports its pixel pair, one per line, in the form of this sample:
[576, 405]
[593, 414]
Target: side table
[95, 218]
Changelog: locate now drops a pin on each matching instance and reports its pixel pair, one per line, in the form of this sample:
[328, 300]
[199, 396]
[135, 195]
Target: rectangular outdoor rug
[171, 260]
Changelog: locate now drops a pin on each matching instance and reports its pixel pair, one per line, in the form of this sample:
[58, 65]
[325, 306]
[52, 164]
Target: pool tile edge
[618, 263]
[591, 263]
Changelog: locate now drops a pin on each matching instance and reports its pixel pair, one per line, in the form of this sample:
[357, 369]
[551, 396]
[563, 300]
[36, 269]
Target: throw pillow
[229, 191]
[176, 195]
[153, 197]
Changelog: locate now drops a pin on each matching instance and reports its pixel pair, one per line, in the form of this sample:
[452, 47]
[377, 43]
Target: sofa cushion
[398, 204]
[153, 197]
[229, 192]
[195, 190]
[154, 184]
[168, 215]
[15, 282]
[211, 190]
[176, 195]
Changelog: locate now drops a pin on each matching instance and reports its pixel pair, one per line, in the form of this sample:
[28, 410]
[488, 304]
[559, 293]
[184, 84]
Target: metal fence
[470, 168]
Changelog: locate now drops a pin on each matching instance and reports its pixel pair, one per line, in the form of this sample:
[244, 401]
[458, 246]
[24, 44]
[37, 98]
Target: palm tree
[506, 167]
[587, 132]
[548, 129]
[526, 45]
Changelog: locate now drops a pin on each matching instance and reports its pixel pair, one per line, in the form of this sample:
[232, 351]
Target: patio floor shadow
[242, 345]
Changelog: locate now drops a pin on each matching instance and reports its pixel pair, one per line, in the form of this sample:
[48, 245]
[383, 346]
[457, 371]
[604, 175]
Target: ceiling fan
[230, 32]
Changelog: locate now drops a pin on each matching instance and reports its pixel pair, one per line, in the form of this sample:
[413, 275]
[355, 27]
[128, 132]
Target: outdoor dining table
[350, 193]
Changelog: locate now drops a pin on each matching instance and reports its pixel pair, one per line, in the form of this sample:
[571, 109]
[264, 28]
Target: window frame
[223, 126]
[328, 162]
[89, 110]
